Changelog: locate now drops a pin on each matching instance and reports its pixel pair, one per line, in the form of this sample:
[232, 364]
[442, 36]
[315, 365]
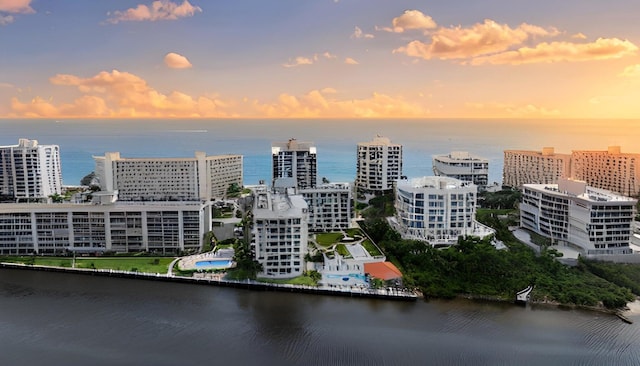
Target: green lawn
[372, 249]
[328, 239]
[342, 250]
[300, 280]
[140, 264]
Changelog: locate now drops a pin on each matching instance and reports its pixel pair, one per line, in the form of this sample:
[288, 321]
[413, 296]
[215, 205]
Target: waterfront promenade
[385, 293]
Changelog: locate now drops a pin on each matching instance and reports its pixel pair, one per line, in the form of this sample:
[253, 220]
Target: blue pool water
[219, 263]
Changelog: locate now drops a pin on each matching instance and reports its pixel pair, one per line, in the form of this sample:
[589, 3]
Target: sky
[319, 59]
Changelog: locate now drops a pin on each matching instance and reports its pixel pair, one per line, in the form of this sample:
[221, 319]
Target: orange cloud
[480, 39]
[300, 60]
[350, 61]
[601, 49]
[16, 6]
[320, 104]
[410, 19]
[176, 61]
[159, 10]
[119, 94]
[632, 71]
[509, 109]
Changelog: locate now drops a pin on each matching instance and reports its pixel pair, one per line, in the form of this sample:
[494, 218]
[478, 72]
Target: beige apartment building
[534, 167]
[608, 169]
[168, 179]
[611, 170]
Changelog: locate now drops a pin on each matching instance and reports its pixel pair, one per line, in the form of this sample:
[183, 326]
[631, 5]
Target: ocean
[335, 139]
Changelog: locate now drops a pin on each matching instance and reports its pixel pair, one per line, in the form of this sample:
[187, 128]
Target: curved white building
[437, 209]
[462, 165]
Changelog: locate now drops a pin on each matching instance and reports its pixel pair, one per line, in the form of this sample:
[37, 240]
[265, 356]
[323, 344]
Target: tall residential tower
[295, 159]
[379, 164]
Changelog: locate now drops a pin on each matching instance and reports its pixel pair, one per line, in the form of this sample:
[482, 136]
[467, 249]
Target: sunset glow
[318, 59]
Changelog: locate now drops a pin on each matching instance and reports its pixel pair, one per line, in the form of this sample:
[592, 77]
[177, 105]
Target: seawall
[248, 285]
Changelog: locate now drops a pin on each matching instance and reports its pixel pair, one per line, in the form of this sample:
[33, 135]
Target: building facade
[533, 167]
[611, 170]
[379, 164]
[280, 233]
[295, 159]
[168, 179]
[157, 227]
[438, 210]
[595, 220]
[30, 170]
[330, 206]
[463, 166]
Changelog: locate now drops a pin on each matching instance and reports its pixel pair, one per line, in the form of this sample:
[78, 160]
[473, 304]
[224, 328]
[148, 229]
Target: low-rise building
[438, 210]
[570, 212]
[157, 227]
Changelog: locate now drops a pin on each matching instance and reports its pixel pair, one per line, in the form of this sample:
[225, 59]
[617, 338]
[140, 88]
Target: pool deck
[189, 262]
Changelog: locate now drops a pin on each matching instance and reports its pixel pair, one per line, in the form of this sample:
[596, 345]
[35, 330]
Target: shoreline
[247, 285]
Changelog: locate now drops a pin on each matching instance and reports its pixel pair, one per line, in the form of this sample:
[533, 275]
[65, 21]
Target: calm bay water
[68, 319]
[335, 140]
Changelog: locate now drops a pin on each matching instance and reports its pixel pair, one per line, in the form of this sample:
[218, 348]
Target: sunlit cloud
[510, 109]
[119, 94]
[410, 19]
[176, 61]
[6, 85]
[579, 36]
[632, 71]
[298, 61]
[323, 104]
[8, 7]
[303, 60]
[350, 61]
[601, 49]
[159, 10]
[16, 6]
[358, 33]
[479, 39]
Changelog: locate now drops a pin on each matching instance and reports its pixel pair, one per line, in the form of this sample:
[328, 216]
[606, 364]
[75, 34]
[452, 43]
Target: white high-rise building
[30, 170]
[438, 210]
[595, 220]
[297, 160]
[463, 166]
[157, 227]
[379, 164]
[168, 179]
[280, 233]
[533, 167]
[330, 206]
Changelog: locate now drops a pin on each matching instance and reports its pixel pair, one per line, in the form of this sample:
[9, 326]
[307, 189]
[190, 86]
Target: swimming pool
[215, 264]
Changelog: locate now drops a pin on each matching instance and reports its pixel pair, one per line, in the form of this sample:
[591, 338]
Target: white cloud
[410, 19]
[350, 61]
[159, 10]
[358, 33]
[6, 19]
[176, 61]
